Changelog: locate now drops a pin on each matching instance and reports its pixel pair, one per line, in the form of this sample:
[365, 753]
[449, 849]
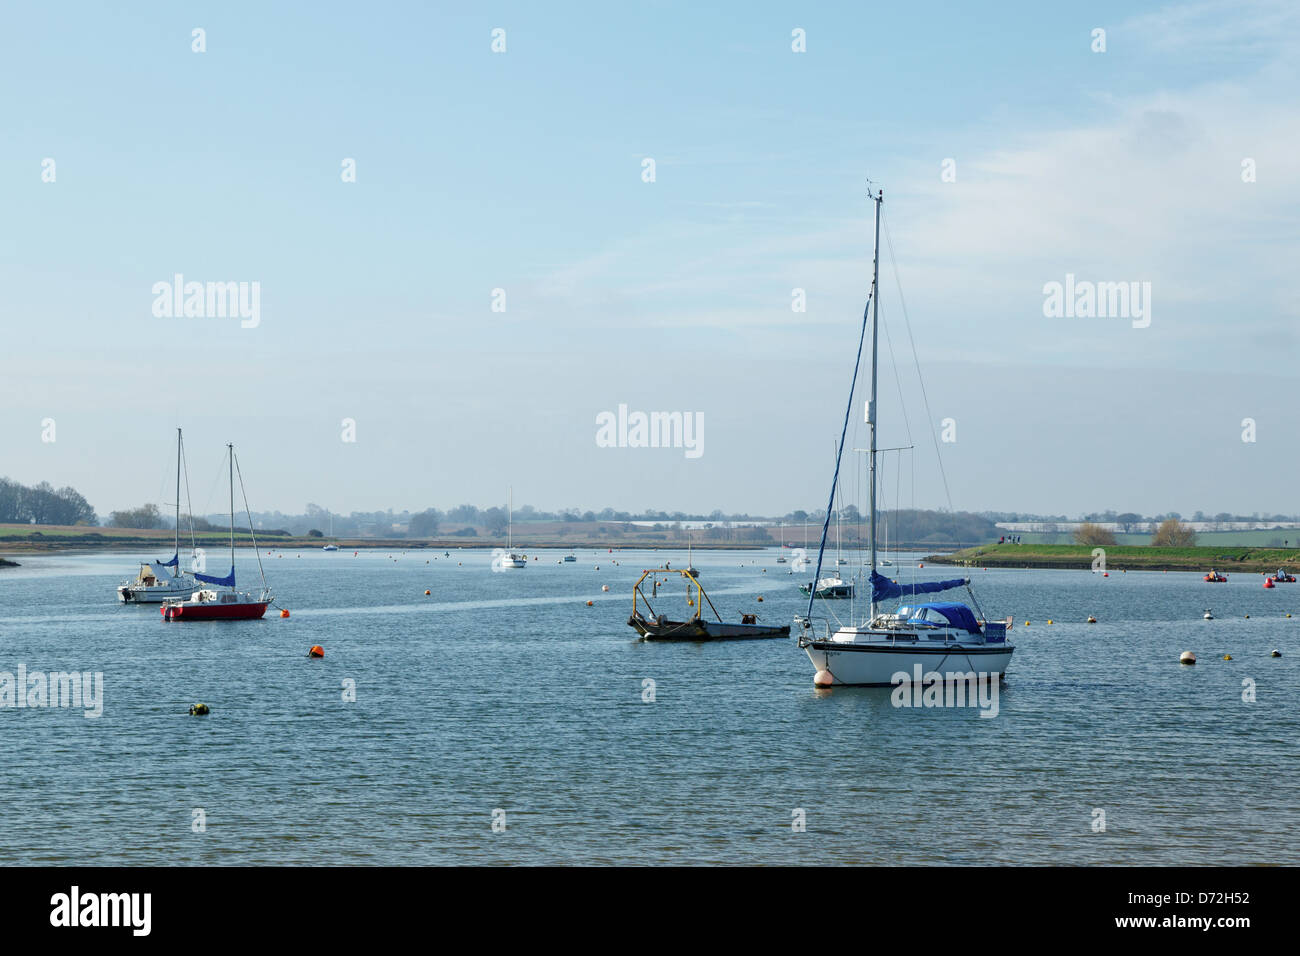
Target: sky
[1011, 150]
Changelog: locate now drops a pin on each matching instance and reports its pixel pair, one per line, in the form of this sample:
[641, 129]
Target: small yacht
[216, 603]
[157, 581]
[511, 559]
[945, 640]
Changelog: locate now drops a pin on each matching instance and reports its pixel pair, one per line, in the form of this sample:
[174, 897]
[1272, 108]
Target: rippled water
[506, 691]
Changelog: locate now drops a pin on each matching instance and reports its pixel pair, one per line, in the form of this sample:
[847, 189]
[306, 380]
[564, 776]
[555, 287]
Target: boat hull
[701, 630]
[214, 612]
[143, 594]
[868, 665]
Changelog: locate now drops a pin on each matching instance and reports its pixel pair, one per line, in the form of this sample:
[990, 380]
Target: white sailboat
[159, 580]
[942, 641]
[510, 559]
[331, 546]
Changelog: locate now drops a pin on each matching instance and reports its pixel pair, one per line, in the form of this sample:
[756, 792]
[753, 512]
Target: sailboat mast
[230, 450]
[178, 501]
[510, 517]
[871, 407]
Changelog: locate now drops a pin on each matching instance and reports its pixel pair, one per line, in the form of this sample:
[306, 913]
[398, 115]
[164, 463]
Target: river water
[504, 697]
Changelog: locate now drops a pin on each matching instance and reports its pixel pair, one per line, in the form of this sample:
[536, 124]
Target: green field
[1263, 538]
[1224, 557]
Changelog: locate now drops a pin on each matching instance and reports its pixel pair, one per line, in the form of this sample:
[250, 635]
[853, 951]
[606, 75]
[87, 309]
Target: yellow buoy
[1227, 657]
[199, 710]
[1026, 623]
[1049, 620]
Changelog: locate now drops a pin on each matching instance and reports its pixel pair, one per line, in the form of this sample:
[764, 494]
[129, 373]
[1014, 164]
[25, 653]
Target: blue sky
[522, 171]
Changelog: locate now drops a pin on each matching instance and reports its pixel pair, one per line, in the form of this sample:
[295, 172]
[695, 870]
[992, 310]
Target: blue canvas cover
[228, 580]
[173, 563]
[883, 589]
[958, 615]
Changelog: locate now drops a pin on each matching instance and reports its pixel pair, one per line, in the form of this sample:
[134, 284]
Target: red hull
[214, 612]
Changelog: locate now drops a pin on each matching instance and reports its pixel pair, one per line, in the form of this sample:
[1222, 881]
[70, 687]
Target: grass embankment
[1222, 558]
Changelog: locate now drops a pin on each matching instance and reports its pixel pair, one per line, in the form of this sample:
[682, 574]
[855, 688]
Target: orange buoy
[1268, 582]
[760, 599]
[426, 592]
[316, 651]
[284, 612]
[589, 603]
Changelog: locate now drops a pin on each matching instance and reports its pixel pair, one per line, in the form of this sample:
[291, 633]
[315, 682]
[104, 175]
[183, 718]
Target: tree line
[43, 504]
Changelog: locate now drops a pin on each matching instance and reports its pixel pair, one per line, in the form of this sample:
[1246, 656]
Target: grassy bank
[1223, 557]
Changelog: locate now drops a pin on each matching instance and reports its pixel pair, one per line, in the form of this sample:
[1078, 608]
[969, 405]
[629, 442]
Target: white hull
[513, 561]
[181, 587]
[874, 664]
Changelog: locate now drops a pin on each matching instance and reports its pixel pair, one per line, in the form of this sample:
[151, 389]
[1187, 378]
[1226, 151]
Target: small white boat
[159, 581]
[511, 559]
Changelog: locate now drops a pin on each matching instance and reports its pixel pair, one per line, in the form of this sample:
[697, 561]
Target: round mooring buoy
[591, 603]
[198, 710]
[1091, 619]
[1276, 654]
[284, 612]
[1187, 657]
[823, 679]
[1227, 657]
[427, 592]
[316, 651]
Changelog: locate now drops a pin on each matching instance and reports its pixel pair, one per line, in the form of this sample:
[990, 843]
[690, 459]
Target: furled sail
[173, 563]
[883, 589]
[227, 581]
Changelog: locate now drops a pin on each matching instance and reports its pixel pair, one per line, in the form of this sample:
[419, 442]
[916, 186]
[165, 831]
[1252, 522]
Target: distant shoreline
[1223, 558]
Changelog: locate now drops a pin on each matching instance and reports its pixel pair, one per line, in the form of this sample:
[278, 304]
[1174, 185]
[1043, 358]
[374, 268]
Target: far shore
[1223, 558]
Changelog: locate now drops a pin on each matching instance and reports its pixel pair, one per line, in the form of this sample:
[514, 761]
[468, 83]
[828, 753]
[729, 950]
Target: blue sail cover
[883, 589]
[173, 563]
[228, 580]
[958, 615]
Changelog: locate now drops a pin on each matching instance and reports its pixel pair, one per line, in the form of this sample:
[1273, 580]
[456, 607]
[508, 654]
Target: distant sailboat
[331, 546]
[159, 580]
[510, 559]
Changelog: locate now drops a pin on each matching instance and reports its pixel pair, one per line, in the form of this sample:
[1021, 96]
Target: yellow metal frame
[697, 601]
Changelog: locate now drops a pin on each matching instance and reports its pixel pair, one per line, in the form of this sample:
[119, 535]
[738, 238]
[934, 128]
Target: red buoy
[316, 651]
[284, 612]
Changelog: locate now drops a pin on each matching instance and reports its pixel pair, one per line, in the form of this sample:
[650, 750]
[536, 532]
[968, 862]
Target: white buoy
[823, 679]
[1187, 657]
